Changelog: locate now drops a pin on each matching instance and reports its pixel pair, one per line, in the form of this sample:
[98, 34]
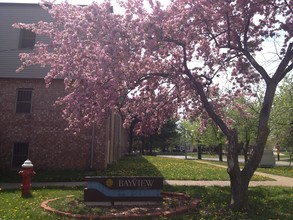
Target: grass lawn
[13, 206]
[169, 168]
[281, 171]
[264, 203]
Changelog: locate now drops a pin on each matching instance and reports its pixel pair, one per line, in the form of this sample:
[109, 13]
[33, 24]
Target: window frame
[19, 105]
[25, 40]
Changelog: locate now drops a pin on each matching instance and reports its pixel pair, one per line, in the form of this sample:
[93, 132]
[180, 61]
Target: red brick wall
[50, 147]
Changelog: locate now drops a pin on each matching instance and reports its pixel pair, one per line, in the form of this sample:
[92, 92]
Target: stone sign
[122, 190]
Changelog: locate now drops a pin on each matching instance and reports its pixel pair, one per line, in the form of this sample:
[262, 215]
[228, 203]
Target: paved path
[241, 159]
[279, 181]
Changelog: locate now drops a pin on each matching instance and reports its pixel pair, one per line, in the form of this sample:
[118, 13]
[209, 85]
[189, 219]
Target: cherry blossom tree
[155, 61]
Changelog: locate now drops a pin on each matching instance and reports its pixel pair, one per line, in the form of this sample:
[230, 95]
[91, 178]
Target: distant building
[30, 125]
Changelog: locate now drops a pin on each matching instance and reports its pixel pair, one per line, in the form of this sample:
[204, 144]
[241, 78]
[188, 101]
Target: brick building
[31, 126]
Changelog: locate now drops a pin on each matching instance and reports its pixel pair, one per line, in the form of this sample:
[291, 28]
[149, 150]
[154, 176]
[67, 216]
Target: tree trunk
[245, 152]
[238, 180]
[151, 145]
[239, 190]
[131, 134]
[130, 140]
[246, 146]
[142, 145]
[199, 152]
[220, 152]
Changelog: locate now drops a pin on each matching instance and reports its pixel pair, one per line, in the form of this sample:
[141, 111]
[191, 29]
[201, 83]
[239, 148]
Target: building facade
[31, 125]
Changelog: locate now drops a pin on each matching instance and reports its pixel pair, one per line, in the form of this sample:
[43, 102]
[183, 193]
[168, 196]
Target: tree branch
[245, 40]
[216, 118]
[228, 30]
[138, 81]
[255, 64]
[282, 69]
[291, 9]
[171, 40]
[199, 88]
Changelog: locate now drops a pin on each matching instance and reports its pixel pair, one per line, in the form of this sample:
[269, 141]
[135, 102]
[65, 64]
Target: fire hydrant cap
[27, 164]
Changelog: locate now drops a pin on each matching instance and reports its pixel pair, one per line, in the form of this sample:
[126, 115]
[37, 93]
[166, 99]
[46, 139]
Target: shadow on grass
[46, 176]
[127, 166]
[131, 166]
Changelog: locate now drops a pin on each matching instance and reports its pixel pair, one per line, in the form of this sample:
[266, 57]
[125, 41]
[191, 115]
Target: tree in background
[213, 138]
[167, 58]
[167, 138]
[282, 116]
[189, 135]
[131, 134]
[245, 121]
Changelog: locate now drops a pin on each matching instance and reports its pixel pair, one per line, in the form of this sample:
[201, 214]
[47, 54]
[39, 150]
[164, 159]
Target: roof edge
[20, 4]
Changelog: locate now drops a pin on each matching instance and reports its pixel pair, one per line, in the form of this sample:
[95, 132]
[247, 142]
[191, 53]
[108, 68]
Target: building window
[27, 39]
[20, 154]
[24, 101]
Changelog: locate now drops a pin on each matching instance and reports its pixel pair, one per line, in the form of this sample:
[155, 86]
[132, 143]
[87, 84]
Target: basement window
[20, 154]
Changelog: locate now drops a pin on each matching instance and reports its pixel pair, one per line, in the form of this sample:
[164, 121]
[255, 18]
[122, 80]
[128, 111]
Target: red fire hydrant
[26, 173]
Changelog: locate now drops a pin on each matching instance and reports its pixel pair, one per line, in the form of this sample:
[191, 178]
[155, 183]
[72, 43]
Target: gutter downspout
[92, 147]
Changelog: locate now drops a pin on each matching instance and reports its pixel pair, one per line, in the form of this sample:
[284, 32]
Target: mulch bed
[173, 204]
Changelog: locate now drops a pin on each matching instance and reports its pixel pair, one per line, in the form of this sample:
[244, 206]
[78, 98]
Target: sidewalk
[279, 181]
